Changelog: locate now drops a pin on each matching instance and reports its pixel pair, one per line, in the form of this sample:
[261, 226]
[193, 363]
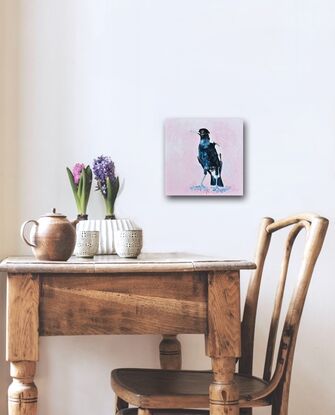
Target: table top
[145, 262]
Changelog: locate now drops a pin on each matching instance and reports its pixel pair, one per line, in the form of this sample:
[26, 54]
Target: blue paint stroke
[206, 190]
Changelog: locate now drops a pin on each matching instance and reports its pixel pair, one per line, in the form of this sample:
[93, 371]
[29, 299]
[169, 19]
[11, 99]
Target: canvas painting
[204, 157]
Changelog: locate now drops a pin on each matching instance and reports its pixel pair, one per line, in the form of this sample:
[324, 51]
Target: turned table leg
[223, 392]
[223, 340]
[22, 393]
[22, 342]
[170, 352]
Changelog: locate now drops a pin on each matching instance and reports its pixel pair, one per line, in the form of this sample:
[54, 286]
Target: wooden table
[155, 294]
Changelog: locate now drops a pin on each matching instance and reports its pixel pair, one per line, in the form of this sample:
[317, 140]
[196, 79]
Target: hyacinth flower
[107, 182]
[81, 182]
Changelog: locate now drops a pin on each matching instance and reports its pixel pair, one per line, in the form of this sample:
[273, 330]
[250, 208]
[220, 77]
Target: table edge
[147, 267]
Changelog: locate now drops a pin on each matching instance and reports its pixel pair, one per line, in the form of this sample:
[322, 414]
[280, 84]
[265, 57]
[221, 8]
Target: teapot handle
[23, 236]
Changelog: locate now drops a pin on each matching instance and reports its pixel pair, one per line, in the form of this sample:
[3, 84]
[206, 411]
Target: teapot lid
[54, 214]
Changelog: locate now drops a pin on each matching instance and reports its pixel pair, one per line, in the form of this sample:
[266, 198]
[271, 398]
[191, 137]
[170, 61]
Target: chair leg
[280, 397]
[279, 408]
[120, 404]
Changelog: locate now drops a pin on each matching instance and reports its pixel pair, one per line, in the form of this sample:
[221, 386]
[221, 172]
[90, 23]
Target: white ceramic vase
[107, 229]
[128, 243]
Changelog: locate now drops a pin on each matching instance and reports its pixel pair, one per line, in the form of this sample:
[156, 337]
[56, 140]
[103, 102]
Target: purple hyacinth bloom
[103, 167]
[76, 171]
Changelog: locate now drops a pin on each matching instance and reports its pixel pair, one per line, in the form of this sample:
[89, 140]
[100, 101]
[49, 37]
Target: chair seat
[155, 388]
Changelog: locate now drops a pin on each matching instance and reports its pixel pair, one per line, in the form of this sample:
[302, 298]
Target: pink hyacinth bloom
[76, 171]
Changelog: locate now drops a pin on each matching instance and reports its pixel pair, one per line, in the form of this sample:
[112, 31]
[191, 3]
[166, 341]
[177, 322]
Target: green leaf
[112, 191]
[71, 178]
[88, 172]
[115, 189]
[86, 187]
[74, 188]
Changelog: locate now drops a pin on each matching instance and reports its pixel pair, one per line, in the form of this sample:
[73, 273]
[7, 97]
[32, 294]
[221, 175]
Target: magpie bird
[209, 159]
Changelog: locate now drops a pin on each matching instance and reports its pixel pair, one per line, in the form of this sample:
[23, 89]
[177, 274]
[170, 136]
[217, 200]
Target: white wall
[9, 166]
[101, 77]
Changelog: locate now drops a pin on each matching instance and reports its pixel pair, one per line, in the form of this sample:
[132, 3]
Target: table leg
[223, 340]
[223, 392]
[170, 352]
[22, 393]
[22, 342]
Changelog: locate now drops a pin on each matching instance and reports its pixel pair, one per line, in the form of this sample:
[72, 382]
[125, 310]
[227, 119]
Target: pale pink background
[182, 169]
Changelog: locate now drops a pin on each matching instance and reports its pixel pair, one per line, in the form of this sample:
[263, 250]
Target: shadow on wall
[9, 86]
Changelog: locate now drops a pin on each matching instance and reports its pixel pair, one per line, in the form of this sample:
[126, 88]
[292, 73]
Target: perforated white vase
[107, 228]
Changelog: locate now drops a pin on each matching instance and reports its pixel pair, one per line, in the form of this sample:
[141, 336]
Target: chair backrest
[316, 228]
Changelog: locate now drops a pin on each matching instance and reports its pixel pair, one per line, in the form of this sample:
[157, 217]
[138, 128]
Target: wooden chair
[171, 391]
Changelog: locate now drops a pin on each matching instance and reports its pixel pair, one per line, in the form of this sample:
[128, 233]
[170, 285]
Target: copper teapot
[52, 237]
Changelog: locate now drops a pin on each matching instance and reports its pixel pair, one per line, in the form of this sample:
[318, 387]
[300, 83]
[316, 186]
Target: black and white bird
[209, 159]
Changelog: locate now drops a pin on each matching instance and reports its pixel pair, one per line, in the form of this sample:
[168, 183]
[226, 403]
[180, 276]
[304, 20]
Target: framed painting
[204, 157]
